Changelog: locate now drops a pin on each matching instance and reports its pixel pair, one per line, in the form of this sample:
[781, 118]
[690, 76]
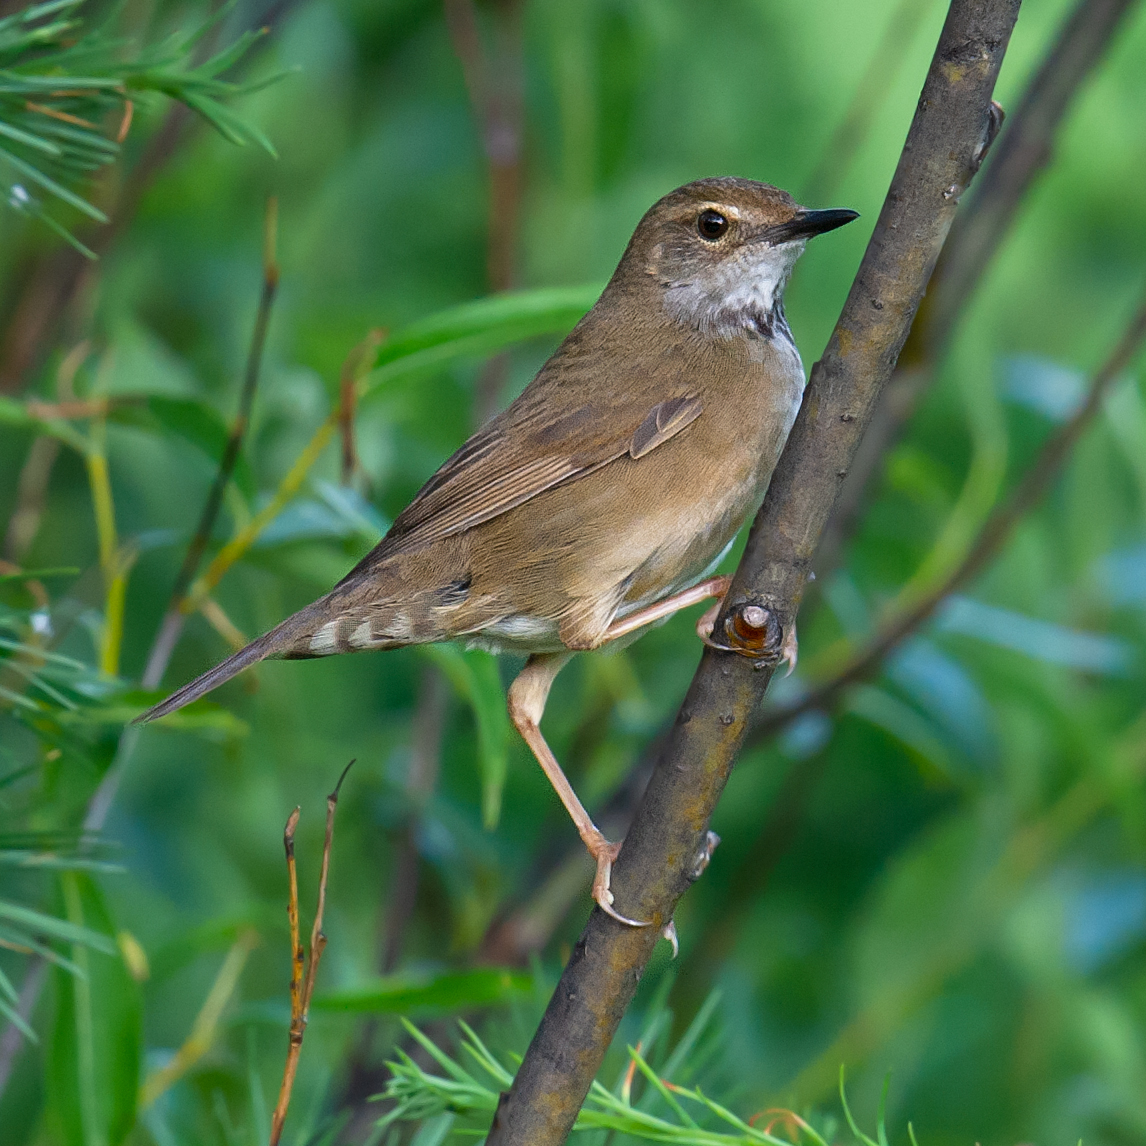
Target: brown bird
[602, 498]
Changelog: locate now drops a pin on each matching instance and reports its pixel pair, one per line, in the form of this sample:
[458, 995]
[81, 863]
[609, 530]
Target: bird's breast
[705, 486]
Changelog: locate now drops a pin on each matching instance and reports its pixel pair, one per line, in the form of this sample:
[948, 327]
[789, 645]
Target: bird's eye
[711, 225]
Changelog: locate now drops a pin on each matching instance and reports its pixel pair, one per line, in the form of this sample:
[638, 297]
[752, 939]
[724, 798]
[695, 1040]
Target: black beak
[807, 224]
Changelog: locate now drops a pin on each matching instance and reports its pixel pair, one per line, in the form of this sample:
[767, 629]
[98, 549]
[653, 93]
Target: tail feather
[283, 639]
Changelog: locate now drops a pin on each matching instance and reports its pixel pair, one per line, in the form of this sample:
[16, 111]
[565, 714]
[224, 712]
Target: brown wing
[526, 451]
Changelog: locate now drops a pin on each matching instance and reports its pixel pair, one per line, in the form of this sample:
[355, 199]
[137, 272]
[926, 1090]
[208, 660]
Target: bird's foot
[669, 932]
[605, 853]
[707, 621]
[790, 650]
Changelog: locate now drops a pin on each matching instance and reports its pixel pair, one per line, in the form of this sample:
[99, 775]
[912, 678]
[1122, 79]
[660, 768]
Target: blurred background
[939, 878]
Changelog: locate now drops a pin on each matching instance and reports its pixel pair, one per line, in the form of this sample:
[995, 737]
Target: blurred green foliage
[945, 880]
[61, 82]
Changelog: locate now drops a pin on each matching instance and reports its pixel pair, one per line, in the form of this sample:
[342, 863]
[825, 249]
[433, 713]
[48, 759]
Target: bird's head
[721, 251]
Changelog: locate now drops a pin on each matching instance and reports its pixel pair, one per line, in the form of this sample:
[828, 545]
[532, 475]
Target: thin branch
[347, 408]
[174, 617]
[991, 539]
[302, 984]
[495, 83]
[206, 1025]
[666, 842]
[870, 95]
[1023, 150]
[358, 363]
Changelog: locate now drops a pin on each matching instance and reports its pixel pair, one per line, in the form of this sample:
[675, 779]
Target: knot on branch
[751, 629]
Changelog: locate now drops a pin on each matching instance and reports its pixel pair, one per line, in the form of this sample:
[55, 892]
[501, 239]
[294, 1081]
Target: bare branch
[175, 615]
[495, 82]
[993, 536]
[667, 840]
[302, 986]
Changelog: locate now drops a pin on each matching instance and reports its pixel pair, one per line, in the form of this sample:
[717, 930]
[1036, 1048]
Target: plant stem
[302, 986]
[174, 617]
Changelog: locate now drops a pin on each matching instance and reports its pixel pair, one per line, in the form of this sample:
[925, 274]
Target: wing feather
[662, 421]
[519, 455]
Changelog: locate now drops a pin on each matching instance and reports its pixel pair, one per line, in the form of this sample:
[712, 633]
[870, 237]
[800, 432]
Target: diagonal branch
[1023, 150]
[495, 82]
[669, 836]
[174, 617]
[991, 539]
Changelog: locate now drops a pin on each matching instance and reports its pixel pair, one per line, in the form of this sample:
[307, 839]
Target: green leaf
[35, 175]
[28, 139]
[479, 328]
[204, 716]
[433, 1131]
[39, 923]
[40, 574]
[95, 1053]
[446, 992]
[474, 676]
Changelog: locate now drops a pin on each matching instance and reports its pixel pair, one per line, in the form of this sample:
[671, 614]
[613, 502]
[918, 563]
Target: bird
[602, 499]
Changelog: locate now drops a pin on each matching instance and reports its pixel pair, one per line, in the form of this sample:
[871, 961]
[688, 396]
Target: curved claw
[601, 892]
[669, 932]
[790, 652]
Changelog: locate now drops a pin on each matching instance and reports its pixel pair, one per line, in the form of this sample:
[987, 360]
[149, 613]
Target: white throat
[740, 294]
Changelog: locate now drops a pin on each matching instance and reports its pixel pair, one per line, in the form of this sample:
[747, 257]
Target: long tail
[318, 630]
[278, 641]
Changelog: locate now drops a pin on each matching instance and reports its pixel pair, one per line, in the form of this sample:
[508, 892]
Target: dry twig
[303, 972]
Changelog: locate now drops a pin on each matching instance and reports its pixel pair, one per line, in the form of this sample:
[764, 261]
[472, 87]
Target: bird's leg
[701, 591]
[527, 696]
